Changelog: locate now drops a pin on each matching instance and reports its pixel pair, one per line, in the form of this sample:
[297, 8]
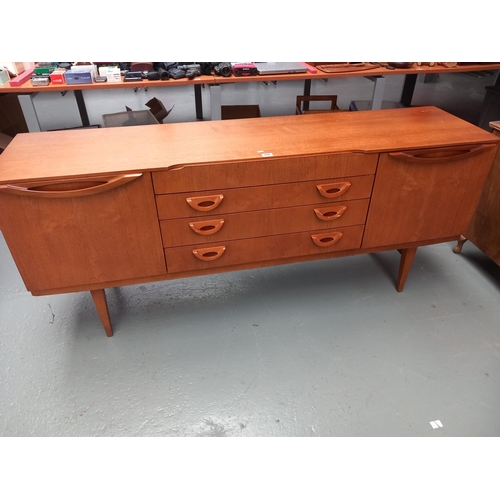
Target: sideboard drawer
[225, 201]
[232, 253]
[177, 232]
[202, 177]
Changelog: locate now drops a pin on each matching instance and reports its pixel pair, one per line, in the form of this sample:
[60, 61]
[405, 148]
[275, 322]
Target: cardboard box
[85, 68]
[22, 78]
[158, 109]
[57, 76]
[78, 77]
[129, 118]
[4, 76]
[112, 73]
[44, 70]
[152, 116]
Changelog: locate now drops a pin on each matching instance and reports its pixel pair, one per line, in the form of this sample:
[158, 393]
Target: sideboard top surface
[86, 152]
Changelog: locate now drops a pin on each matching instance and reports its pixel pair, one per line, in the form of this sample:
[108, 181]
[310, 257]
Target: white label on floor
[436, 424]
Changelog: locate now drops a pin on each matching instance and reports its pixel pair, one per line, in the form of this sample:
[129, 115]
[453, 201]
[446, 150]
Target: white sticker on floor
[436, 424]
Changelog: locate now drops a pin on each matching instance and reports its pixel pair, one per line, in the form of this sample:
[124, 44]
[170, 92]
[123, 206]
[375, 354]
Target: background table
[377, 75]
[26, 92]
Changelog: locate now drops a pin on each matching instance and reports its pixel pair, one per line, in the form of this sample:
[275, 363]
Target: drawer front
[202, 230]
[262, 172]
[231, 253]
[226, 201]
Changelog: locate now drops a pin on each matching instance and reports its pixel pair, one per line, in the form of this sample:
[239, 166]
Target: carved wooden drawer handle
[208, 254]
[205, 203]
[330, 213]
[440, 154]
[207, 226]
[326, 239]
[333, 190]
[81, 186]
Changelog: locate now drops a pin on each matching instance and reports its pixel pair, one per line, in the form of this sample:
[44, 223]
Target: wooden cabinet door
[426, 194]
[82, 231]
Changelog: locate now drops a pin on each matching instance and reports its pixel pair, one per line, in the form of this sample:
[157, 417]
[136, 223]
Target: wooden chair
[308, 98]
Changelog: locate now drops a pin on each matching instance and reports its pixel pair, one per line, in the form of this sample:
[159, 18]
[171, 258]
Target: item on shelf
[152, 75]
[85, 68]
[17, 68]
[280, 68]
[58, 76]
[177, 73]
[78, 77]
[100, 79]
[133, 76]
[346, 67]
[40, 81]
[192, 70]
[206, 68]
[141, 66]
[401, 65]
[4, 76]
[223, 69]
[244, 69]
[44, 70]
[22, 78]
[112, 73]
[163, 73]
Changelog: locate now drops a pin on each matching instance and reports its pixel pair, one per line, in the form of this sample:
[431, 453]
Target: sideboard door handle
[207, 226]
[330, 213]
[47, 190]
[208, 254]
[326, 239]
[334, 189]
[440, 154]
[205, 203]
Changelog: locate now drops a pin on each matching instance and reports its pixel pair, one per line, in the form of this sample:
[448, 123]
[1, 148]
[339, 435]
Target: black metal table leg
[307, 92]
[408, 88]
[198, 102]
[81, 108]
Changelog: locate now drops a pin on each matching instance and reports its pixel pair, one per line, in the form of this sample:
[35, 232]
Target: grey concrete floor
[326, 348]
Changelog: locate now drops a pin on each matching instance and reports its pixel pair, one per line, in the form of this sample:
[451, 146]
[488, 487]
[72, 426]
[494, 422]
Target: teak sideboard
[86, 210]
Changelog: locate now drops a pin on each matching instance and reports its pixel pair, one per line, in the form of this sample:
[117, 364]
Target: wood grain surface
[483, 230]
[86, 152]
[435, 197]
[59, 242]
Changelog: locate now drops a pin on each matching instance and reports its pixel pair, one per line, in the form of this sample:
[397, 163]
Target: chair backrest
[308, 98]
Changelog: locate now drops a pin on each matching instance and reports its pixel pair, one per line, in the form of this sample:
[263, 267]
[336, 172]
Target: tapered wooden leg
[407, 255]
[101, 305]
[460, 243]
